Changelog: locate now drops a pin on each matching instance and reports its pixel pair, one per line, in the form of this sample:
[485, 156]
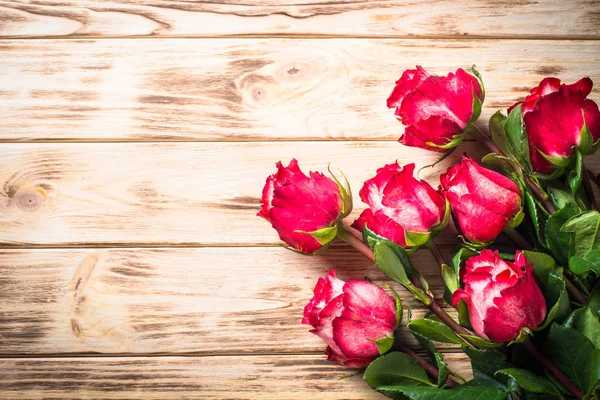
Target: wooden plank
[173, 301]
[265, 377]
[551, 18]
[90, 194]
[82, 194]
[260, 89]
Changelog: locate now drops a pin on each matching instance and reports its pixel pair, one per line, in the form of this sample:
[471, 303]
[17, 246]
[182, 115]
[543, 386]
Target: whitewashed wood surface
[136, 135]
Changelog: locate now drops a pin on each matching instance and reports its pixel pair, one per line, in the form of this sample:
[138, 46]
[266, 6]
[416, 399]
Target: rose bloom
[295, 204]
[553, 115]
[400, 204]
[502, 296]
[349, 316]
[434, 109]
[483, 201]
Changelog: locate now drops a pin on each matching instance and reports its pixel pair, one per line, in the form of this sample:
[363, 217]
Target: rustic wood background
[135, 138]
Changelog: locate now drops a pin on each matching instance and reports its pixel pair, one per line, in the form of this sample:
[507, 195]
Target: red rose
[502, 296]
[435, 109]
[554, 119]
[349, 316]
[297, 205]
[483, 201]
[402, 209]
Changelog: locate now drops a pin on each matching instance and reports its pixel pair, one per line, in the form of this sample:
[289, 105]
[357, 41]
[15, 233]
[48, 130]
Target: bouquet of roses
[527, 319]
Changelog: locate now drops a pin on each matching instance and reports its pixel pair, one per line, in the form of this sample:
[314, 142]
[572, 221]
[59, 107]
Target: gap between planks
[463, 37]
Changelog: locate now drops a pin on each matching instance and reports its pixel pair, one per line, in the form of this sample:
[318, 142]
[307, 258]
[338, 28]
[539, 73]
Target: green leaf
[585, 232]
[485, 364]
[576, 173]
[557, 238]
[442, 368]
[530, 381]
[434, 330]
[384, 344]
[325, 235]
[589, 262]
[561, 198]
[594, 299]
[586, 322]
[536, 218]
[372, 239]
[516, 135]
[543, 264]
[395, 369]
[557, 299]
[574, 354]
[389, 264]
[498, 134]
[450, 277]
[462, 392]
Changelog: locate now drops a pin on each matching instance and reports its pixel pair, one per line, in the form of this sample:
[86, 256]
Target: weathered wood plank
[167, 193]
[265, 377]
[551, 18]
[82, 194]
[240, 89]
[172, 301]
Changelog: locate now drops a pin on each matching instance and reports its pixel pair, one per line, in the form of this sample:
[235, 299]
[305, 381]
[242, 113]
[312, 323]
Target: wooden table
[136, 136]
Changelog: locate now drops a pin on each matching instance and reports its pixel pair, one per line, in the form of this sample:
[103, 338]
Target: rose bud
[436, 109]
[483, 201]
[402, 209]
[350, 317]
[304, 210]
[502, 296]
[559, 118]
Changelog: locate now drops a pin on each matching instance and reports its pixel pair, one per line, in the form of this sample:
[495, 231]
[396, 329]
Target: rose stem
[431, 370]
[589, 190]
[571, 288]
[484, 139]
[433, 306]
[518, 240]
[549, 365]
[355, 242]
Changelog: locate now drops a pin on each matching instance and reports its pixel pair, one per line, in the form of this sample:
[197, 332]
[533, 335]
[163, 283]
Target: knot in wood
[30, 199]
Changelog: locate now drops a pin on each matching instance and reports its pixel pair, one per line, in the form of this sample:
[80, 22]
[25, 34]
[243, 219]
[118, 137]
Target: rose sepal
[516, 220]
[324, 235]
[345, 194]
[523, 336]
[384, 344]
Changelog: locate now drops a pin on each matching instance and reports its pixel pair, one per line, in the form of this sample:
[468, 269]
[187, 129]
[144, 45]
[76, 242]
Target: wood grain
[152, 194]
[523, 18]
[265, 377]
[126, 194]
[259, 90]
[173, 301]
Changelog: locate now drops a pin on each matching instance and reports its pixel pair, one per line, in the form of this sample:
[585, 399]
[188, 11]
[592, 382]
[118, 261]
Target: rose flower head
[350, 317]
[402, 209]
[483, 201]
[559, 118]
[502, 296]
[304, 210]
[436, 110]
